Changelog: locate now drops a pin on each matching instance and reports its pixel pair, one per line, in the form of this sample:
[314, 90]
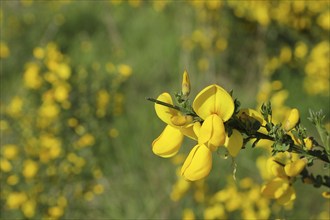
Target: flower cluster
[203, 122]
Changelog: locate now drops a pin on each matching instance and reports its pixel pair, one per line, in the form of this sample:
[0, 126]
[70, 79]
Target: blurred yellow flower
[4, 50]
[124, 70]
[56, 212]
[188, 214]
[5, 165]
[29, 208]
[86, 140]
[63, 70]
[279, 189]
[12, 180]
[15, 106]
[32, 79]
[9, 151]
[30, 168]
[39, 53]
[15, 199]
[61, 92]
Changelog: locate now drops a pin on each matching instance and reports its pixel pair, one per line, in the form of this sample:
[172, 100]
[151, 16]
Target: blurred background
[76, 130]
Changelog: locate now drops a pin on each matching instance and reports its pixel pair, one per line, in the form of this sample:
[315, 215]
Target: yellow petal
[197, 127]
[234, 143]
[287, 197]
[275, 188]
[180, 120]
[291, 120]
[212, 132]
[214, 100]
[295, 168]
[168, 143]
[198, 163]
[163, 112]
[188, 131]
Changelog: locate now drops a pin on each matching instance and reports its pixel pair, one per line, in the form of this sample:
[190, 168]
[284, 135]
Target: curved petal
[214, 100]
[168, 143]
[212, 132]
[188, 131]
[234, 143]
[163, 112]
[198, 163]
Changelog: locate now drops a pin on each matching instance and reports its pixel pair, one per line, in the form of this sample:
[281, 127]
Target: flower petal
[234, 143]
[163, 112]
[212, 132]
[198, 163]
[295, 168]
[214, 100]
[168, 143]
[189, 131]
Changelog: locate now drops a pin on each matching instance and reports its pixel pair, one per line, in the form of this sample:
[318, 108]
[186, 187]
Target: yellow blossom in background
[4, 50]
[188, 214]
[15, 199]
[12, 180]
[5, 165]
[9, 151]
[124, 70]
[29, 208]
[30, 168]
[32, 76]
[86, 140]
[39, 53]
[55, 212]
[317, 70]
[15, 106]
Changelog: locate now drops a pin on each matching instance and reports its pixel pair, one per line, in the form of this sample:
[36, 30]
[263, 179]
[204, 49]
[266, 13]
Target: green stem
[164, 103]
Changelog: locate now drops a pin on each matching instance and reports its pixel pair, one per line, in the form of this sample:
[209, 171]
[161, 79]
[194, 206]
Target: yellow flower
[124, 70]
[55, 211]
[292, 119]
[215, 106]
[15, 200]
[32, 78]
[30, 169]
[28, 208]
[198, 163]
[178, 125]
[10, 151]
[279, 189]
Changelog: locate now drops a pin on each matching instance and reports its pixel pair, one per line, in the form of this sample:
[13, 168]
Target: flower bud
[308, 143]
[292, 119]
[185, 84]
